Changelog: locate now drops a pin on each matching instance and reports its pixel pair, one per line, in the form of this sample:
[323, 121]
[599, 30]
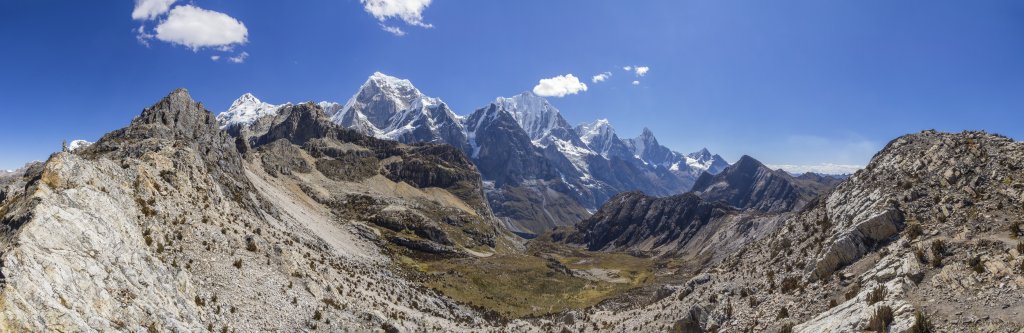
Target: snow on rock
[245, 110]
[78, 144]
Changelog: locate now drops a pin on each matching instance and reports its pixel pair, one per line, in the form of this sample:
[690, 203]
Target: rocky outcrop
[632, 218]
[302, 138]
[748, 184]
[923, 236]
[165, 226]
[680, 226]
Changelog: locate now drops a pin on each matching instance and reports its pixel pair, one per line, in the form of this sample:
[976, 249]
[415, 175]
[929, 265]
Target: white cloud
[150, 9]
[641, 70]
[628, 68]
[142, 36]
[197, 28]
[393, 30]
[215, 57]
[410, 11]
[823, 168]
[636, 83]
[240, 58]
[559, 86]
[601, 77]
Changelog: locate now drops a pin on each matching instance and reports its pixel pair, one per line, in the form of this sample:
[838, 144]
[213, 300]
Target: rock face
[680, 226]
[166, 225]
[748, 184]
[927, 227]
[633, 218]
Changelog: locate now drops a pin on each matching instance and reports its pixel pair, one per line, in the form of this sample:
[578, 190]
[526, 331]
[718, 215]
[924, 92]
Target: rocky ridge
[166, 225]
[748, 184]
[926, 237]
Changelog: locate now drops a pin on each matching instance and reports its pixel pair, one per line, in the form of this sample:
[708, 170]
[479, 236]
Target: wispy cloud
[240, 58]
[601, 77]
[642, 70]
[636, 83]
[393, 30]
[559, 86]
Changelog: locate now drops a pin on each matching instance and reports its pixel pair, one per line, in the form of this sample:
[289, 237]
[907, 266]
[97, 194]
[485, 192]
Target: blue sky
[788, 82]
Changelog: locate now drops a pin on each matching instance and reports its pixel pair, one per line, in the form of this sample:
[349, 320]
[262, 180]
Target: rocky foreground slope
[165, 226]
[926, 238]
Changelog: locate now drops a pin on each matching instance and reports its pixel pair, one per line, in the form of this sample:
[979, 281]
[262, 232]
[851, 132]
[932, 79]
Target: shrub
[1015, 229]
[921, 324]
[789, 283]
[1020, 248]
[881, 319]
[783, 313]
[317, 315]
[786, 328]
[913, 230]
[200, 301]
[976, 264]
[938, 248]
[877, 295]
[919, 253]
[832, 303]
[238, 263]
[938, 251]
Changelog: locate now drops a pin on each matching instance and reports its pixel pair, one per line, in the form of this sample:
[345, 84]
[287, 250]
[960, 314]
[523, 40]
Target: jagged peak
[245, 110]
[746, 161]
[178, 100]
[246, 98]
[647, 135]
[598, 128]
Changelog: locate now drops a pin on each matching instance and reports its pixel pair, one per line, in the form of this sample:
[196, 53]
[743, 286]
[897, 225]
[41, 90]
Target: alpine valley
[391, 212]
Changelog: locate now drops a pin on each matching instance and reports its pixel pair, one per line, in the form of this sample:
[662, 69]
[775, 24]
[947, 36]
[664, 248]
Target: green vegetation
[534, 284]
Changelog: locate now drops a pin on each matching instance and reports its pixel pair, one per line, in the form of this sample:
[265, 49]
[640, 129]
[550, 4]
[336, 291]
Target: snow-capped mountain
[330, 108]
[246, 110]
[391, 108]
[704, 160]
[541, 120]
[646, 148]
[539, 171]
[601, 138]
[547, 128]
[78, 144]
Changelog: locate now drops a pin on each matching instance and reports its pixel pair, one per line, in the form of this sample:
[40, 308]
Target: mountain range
[539, 171]
[290, 221]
